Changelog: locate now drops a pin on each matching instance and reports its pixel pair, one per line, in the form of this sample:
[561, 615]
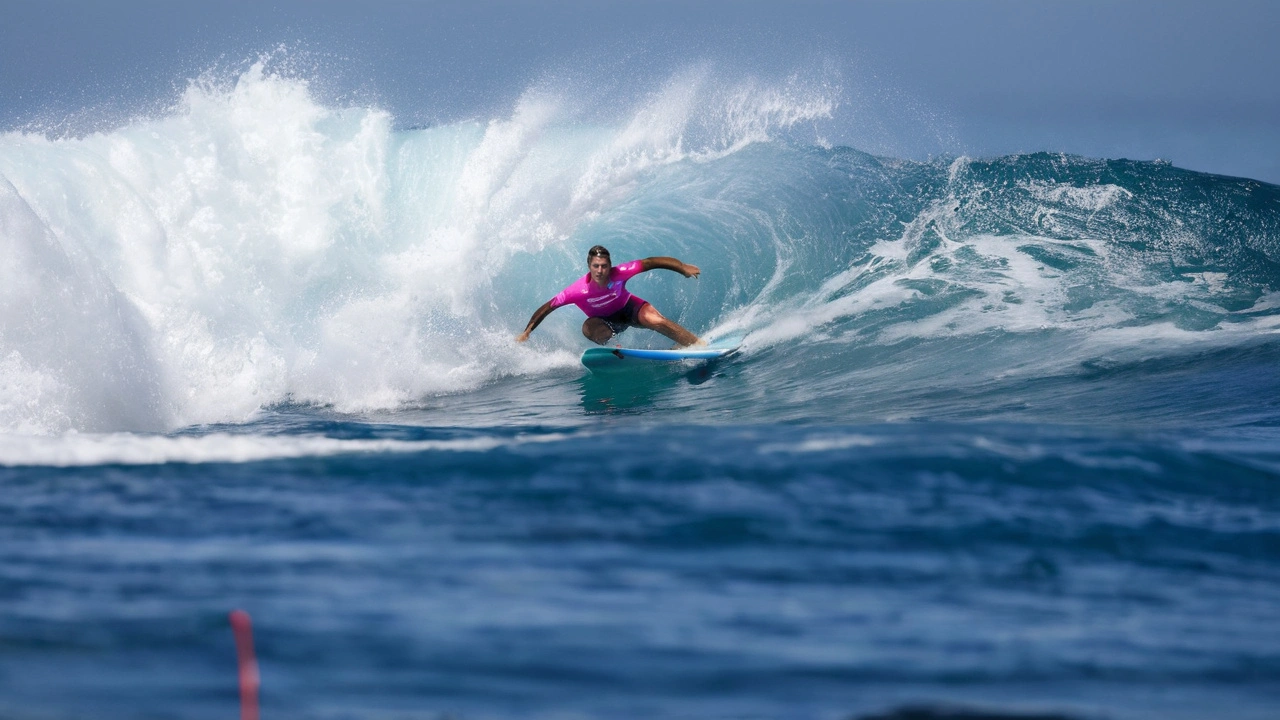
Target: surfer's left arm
[670, 263]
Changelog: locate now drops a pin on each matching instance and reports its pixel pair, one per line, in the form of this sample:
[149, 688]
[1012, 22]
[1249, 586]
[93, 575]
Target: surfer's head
[599, 263]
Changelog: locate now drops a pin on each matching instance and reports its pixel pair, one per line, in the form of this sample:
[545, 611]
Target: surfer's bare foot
[699, 343]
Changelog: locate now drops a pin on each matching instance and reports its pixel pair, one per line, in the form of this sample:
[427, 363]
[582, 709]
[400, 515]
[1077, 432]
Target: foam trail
[86, 450]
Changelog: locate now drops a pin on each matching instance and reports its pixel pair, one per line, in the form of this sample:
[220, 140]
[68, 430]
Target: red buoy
[249, 679]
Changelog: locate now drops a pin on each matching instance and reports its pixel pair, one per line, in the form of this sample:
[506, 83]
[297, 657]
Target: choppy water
[1003, 433]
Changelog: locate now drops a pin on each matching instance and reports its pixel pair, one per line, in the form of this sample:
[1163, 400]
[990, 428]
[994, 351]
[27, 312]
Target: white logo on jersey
[602, 300]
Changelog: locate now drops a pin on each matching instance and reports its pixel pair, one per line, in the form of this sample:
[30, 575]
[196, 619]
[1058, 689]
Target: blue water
[1003, 438]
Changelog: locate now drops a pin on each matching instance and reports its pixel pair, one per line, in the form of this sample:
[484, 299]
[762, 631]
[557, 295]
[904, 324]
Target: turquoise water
[1002, 435]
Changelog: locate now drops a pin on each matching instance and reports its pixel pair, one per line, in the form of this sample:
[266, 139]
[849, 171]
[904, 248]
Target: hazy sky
[1190, 82]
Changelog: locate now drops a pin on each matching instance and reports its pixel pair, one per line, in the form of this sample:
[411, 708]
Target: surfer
[602, 294]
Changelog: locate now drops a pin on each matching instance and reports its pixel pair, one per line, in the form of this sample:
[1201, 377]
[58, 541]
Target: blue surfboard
[600, 358]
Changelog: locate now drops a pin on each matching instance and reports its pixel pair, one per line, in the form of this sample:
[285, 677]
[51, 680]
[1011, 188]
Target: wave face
[256, 248]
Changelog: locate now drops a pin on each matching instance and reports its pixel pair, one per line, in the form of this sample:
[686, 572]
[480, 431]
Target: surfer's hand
[522, 337]
[690, 270]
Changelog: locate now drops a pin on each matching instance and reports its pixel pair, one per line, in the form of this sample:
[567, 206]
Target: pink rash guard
[598, 301]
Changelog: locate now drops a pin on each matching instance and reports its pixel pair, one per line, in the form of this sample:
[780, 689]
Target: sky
[1191, 82]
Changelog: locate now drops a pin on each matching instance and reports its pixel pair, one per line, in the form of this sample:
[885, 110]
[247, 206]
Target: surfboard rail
[612, 357]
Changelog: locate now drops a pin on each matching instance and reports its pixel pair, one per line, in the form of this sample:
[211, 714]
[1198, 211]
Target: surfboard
[597, 358]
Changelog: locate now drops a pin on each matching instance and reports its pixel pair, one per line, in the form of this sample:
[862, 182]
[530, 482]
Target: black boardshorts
[626, 317]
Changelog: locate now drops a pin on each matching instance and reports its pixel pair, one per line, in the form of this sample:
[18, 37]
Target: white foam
[821, 444]
[82, 450]
[1091, 198]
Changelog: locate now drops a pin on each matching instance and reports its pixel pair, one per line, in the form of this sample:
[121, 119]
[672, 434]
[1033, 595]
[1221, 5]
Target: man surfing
[602, 294]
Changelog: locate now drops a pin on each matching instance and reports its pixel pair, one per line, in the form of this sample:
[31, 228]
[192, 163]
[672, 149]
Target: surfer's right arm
[670, 263]
[538, 316]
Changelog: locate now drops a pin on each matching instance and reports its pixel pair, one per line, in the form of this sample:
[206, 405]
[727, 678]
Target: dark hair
[598, 251]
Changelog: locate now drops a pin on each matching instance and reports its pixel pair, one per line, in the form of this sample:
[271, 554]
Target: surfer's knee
[655, 320]
[649, 317]
[596, 331]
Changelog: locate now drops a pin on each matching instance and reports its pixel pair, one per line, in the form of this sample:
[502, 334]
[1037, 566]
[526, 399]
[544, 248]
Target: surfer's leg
[649, 317]
[597, 330]
[601, 330]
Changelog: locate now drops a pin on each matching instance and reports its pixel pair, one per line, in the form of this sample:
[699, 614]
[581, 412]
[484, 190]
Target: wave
[254, 247]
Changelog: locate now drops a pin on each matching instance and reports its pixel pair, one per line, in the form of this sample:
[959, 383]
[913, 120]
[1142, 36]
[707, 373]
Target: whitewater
[1003, 432]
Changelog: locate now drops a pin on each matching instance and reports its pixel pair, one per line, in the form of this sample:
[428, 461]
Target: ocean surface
[1002, 440]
